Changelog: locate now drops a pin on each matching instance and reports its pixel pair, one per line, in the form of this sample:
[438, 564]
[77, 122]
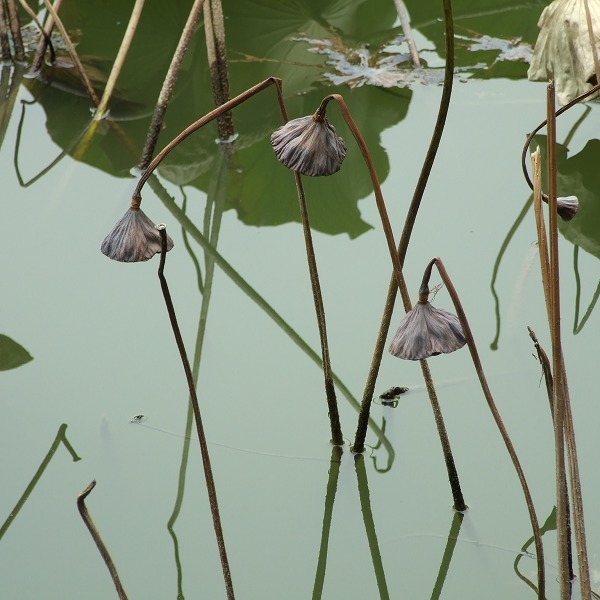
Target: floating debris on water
[139, 419]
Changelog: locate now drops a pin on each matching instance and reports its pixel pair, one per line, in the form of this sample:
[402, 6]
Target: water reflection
[578, 175]
[61, 438]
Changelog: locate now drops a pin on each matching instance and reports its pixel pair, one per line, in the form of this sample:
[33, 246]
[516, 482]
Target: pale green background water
[104, 352]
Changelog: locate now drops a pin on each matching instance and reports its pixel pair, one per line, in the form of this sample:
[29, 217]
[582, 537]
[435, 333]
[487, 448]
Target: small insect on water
[139, 419]
[390, 397]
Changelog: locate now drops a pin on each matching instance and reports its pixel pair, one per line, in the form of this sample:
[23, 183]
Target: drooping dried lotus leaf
[563, 51]
[309, 147]
[427, 331]
[133, 239]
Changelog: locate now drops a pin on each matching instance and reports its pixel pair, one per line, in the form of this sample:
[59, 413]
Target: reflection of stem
[578, 326]
[72, 53]
[60, 437]
[497, 418]
[72, 144]
[115, 71]
[503, 247]
[261, 302]
[110, 565]
[334, 471]
[530, 137]
[210, 483]
[10, 83]
[365, 506]
[447, 556]
[549, 525]
[217, 187]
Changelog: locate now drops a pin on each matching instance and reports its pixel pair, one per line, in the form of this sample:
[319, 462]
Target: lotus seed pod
[309, 146]
[567, 207]
[133, 239]
[427, 331]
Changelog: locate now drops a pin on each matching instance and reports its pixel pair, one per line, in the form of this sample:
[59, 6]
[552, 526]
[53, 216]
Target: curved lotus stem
[566, 206]
[496, 415]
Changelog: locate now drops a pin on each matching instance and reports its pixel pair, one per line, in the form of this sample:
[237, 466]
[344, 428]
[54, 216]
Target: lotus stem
[498, 419]
[44, 38]
[214, 28]
[73, 53]
[83, 511]
[207, 118]
[134, 19]
[409, 223]
[406, 29]
[358, 447]
[166, 91]
[15, 30]
[530, 137]
[4, 43]
[336, 432]
[208, 474]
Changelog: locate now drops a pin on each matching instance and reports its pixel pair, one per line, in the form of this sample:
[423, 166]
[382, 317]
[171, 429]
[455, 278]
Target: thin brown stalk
[136, 199]
[4, 29]
[588, 18]
[408, 35]
[34, 18]
[499, 422]
[214, 28]
[557, 398]
[563, 422]
[459, 502]
[166, 91]
[15, 30]
[72, 53]
[134, 19]
[410, 221]
[208, 474]
[43, 41]
[83, 511]
[530, 137]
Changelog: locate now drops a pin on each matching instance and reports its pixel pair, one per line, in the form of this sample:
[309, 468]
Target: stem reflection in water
[60, 437]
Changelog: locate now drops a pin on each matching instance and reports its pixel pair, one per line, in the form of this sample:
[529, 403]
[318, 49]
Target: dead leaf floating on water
[133, 239]
[427, 331]
[563, 51]
[309, 146]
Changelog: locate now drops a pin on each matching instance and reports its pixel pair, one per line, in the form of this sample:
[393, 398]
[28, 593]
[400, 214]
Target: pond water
[296, 524]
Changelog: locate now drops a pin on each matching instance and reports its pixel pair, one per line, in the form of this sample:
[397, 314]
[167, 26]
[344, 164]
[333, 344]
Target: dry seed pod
[133, 239]
[567, 206]
[309, 146]
[427, 331]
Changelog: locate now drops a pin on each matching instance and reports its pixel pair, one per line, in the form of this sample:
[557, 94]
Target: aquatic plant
[309, 145]
[427, 331]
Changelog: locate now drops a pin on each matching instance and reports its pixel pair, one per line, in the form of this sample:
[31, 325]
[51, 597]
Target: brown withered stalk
[562, 416]
[110, 565]
[459, 502]
[496, 415]
[208, 474]
[336, 432]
